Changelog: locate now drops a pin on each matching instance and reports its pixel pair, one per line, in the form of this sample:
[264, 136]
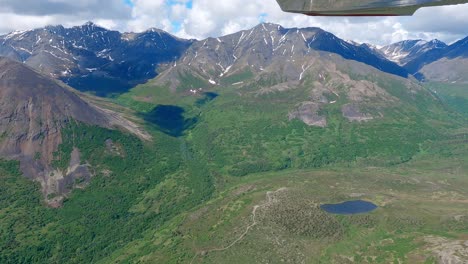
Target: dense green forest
[113, 210]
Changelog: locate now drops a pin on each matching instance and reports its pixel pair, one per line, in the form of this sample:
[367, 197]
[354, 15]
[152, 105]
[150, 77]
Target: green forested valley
[228, 178]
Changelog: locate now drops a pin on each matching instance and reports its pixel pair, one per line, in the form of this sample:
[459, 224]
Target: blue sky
[188, 4]
[128, 2]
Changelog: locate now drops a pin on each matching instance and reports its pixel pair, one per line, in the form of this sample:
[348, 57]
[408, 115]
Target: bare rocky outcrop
[307, 112]
[448, 251]
[353, 113]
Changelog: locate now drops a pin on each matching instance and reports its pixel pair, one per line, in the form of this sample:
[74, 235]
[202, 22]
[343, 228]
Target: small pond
[207, 97]
[349, 207]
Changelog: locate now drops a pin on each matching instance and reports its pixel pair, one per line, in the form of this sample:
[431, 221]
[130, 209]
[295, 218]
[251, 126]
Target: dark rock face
[91, 58]
[33, 110]
[328, 42]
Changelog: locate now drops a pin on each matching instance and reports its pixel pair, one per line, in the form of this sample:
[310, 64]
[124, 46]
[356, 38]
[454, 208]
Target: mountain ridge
[92, 58]
[433, 60]
[405, 51]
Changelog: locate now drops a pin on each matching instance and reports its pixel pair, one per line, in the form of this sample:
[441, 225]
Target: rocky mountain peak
[438, 43]
[266, 26]
[57, 29]
[92, 25]
[155, 30]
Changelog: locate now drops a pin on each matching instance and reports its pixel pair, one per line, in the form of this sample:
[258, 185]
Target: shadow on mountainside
[170, 119]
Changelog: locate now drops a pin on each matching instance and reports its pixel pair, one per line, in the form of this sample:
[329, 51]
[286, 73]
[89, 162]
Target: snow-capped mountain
[408, 50]
[92, 58]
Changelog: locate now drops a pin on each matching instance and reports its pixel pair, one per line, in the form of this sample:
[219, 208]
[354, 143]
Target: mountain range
[106, 62]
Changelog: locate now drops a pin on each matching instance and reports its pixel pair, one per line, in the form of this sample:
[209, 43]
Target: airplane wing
[361, 7]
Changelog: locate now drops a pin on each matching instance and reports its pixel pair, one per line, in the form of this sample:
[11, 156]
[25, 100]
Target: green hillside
[454, 95]
[247, 129]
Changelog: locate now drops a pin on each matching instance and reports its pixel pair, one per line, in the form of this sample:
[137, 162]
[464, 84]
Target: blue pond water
[350, 207]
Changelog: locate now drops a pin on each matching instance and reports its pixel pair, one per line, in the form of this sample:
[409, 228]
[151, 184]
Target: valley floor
[275, 217]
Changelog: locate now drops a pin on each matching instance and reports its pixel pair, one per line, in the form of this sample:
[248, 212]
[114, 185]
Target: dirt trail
[268, 201]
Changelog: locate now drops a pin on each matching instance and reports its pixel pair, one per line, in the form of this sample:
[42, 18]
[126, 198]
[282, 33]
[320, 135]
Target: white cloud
[11, 21]
[204, 18]
[208, 18]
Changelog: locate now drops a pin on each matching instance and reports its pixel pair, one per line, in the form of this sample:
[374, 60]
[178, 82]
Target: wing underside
[361, 7]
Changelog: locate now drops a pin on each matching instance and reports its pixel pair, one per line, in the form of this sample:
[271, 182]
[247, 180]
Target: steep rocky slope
[33, 111]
